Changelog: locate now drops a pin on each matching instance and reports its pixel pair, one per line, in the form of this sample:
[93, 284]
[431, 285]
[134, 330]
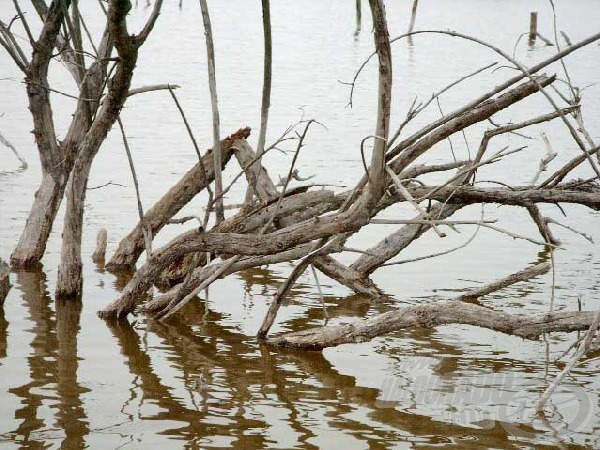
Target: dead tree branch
[527, 326]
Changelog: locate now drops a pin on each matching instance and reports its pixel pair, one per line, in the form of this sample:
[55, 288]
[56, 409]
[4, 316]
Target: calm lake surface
[69, 380]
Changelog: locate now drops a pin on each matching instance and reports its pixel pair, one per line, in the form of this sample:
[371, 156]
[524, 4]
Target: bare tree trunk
[70, 281]
[55, 166]
[47, 200]
[377, 174]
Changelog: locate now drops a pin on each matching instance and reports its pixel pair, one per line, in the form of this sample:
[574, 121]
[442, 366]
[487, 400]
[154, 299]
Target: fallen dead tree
[308, 225]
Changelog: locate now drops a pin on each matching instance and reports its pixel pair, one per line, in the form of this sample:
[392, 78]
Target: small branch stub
[532, 27]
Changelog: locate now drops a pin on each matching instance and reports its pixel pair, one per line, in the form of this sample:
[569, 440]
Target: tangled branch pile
[309, 225]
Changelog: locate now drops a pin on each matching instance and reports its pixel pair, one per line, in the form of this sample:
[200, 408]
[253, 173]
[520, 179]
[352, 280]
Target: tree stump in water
[100, 252]
[4, 280]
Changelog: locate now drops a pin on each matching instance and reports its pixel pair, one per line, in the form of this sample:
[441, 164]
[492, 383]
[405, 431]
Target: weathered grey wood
[266, 97]
[376, 186]
[376, 172]
[309, 230]
[393, 244]
[522, 275]
[291, 210]
[212, 87]
[227, 243]
[317, 227]
[360, 216]
[32, 243]
[193, 182]
[413, 16]
[527, 326]
[69, 282]
[248, 159]
[532, 27]
[101, 241]
[4, 281]
[485, 110]
[160, 302]
[349, 277]
[586, 194]
[57, 158]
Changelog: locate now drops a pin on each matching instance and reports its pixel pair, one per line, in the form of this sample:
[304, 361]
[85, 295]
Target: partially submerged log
[455, 311]
[193, 182]
[527, 326]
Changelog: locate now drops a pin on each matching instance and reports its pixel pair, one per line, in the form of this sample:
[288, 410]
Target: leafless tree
[103, 86]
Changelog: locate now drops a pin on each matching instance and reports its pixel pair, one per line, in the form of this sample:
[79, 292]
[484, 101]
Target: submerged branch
[527, 326]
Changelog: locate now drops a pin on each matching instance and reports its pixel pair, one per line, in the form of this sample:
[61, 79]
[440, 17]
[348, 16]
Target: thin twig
[315, 276]
[583, 348]
[8, 144]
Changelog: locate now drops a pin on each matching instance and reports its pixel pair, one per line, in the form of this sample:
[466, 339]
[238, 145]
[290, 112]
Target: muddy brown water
[69, 380]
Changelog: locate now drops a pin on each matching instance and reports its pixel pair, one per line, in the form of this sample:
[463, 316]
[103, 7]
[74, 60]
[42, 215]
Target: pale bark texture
[66, 162]
[69, 272]
[527, 326]
[101, 241]
[192, 183]
[55, 172]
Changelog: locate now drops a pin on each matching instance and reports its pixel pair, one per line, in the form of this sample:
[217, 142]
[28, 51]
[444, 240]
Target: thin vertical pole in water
[413, 16]
[358, 16]
[532, 28]
[212, 83]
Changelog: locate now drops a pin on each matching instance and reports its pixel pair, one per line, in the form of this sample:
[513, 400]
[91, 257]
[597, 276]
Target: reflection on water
[52, 364]
[197, 383]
